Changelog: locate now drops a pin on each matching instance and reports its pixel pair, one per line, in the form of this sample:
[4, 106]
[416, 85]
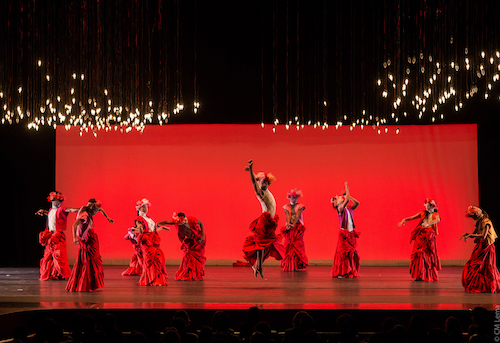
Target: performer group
[480, 273]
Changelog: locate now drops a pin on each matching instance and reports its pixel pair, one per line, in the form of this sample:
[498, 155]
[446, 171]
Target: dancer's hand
[110, 220]
[402, 223]
[465, 235]
[250, 163]
[75, 241]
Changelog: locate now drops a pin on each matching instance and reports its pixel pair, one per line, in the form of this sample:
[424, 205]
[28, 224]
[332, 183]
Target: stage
[227, 287]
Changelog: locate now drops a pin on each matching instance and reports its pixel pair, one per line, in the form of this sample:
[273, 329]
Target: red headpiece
[55, 196]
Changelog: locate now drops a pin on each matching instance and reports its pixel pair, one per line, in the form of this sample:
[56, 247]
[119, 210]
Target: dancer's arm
[480, 235]
[355, 203]
[297, 217]
[103, 212]
[256, 188]
[42, 212]
[436, 219]
[402, 222]
[163, 225]
[71, 210]
[202, 238]
[344, 203]
[75, 226]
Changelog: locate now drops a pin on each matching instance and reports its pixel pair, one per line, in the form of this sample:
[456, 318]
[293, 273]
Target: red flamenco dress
[135, 266]
[425, 264]
[295, 257]
[346, 261]
[263, 238]
[192, 267]
[87, 274]
[480, 273]
[154, 272]
[54, 263]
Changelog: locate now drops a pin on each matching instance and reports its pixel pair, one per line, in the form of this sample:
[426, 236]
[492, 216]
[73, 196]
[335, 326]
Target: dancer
[135, 266]
[54, 263]
[293, 234]
[191, 234]
[264, 242]
[346, 260]
[87, 274]
[425, 264]
[480, 273]
[154, 272]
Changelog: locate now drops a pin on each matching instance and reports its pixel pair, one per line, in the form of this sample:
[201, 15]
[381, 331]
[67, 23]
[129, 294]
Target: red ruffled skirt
[87, 274]
[135, 266]
[192, 267]
[346, 261]
[295, 257]
[264, 238]
[480, 273]
[425, 264]
[154, 272]
[54, 263]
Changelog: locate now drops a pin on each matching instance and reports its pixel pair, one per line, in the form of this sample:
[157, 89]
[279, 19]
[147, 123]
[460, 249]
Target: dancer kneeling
[346, 261]
[191, 233]
[425, 262]
[264, 242]
[87, 274]
[154, 272]
[293, 234]
[480, 273]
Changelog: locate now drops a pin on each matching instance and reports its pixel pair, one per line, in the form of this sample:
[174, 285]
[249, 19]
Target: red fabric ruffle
[425, 264]
[264, 238]
[295, 257]
[346, 260]
[154, 272]
[54, 263]
[480, 273]
[88, 273]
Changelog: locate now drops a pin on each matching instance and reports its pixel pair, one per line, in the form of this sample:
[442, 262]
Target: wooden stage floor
[227, 287]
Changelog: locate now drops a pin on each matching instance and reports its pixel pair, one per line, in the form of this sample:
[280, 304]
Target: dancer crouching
[346, 261]
[191, 234]
[264, 242]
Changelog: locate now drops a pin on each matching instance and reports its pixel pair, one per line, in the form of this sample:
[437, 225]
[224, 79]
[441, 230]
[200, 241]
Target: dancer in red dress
[154, 272]
[191, 234]
[425, 262]
[87, 274]
[346, 260]
[135, 266]
[480, 273]
[264, 241]
[54, 263]
[293, 234]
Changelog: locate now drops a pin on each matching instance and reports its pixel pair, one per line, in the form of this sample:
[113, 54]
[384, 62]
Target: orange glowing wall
[199, 169]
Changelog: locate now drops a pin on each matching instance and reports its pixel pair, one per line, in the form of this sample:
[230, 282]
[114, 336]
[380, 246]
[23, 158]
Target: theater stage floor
[227, 287]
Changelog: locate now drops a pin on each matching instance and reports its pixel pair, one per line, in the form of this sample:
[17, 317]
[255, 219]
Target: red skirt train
[54, 263]
[425, 264]
[87, 274]
[192, 267]
[480, 273]
[346, 261]
[295, 257]
[263, 238]
[154, 272]
[135, 266]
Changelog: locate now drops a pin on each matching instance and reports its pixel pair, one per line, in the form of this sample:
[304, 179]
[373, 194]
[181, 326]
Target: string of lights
[121, 65]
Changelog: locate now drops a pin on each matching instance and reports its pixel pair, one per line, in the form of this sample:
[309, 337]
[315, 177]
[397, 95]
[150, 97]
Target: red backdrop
[199, 170]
